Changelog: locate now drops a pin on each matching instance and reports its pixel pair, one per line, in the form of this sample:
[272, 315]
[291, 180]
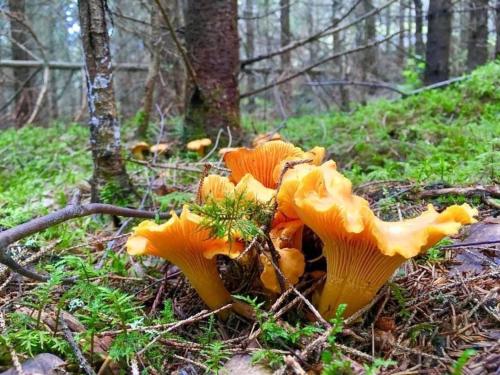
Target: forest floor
[439, 314]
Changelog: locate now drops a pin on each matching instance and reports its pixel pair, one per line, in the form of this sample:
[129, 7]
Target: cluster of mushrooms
[361, 251]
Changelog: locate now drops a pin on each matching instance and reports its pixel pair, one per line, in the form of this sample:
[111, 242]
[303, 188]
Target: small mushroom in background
[160, 149]
[139, 150]
[199, 145]
[266, 137]
[185, 242]
[362, 251]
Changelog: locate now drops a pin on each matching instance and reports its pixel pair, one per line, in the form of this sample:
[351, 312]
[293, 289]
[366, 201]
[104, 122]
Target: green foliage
[412, 74]
[216, 354]
[377, 365]
[420, 329]
[448, 134]
[459, 365]
[399, 295]
[233, 215]
[174, 200]
[333, 362]
[435, 253]
[268, 357]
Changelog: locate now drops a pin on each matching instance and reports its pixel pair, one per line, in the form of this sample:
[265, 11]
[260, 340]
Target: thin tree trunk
[213, 46]
[477, 46]
[250, 49]
[337, 48]
[109, 169]
[25, 101]
[497, 25]
[402, 34]
[154, 67]
[286, 58]
[419, 25]
[437, 53]
[370, 55]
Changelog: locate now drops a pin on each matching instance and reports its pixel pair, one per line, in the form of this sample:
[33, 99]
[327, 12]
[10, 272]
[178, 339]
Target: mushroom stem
[204, 277]
[356, 270]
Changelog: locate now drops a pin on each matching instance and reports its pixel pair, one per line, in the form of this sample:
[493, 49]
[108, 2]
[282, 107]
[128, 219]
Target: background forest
[99, 103]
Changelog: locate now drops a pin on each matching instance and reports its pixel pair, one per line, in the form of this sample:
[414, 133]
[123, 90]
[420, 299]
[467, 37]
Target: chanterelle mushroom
[187, 244]
[266, 161]
[362, 251]
[138, 150]
[199, 145]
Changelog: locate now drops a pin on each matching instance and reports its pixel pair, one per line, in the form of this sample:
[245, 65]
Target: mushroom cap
[265, 137]
[291, 263]
[287, 234]
[178, 239]
[260, 162]
[159, 148]
[324, 202]
[216, 187]
[198, 144]
[139, 147]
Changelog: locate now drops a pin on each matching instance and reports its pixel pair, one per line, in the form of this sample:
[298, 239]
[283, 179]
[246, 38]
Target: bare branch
[321, 62]
[36, 225]
[63, 65]
[339, 82]
[329, 30]
[180, 48]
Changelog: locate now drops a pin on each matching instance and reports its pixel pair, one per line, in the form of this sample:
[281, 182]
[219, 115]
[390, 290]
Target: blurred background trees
[268, 58]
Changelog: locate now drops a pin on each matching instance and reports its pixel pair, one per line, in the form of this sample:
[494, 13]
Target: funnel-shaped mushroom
[160, 148]
[362, 251]
[185, 243]
[139, 149]
[199, 145]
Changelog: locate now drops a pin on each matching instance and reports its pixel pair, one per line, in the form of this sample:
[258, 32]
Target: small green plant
[216, 354]
[435, 253]
[333, 362]
[377, 365]
[420, 329]
[234, 214]
[268, 357]
[460, 363]
[399, 294]
[174, 200]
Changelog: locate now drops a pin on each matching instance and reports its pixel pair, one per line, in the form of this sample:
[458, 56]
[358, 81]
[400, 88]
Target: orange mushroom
[263, 161]
[266, 137]
[185, 243]
[139, 149]
[199, 145]
[362, 251]
[160, 148]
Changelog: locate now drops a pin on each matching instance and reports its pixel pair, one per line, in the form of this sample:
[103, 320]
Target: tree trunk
[286, 58]
[477, 46]
[25, 101]
[109, 169]
[341, 62]
[154, 67]
[213, 46]
[370, 54]
[437, 53]
[402, 34]
[250, 49]
[497, 25]
[419, 25]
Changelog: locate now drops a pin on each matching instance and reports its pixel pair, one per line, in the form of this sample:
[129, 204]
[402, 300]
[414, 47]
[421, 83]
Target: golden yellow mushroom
[217, 187]
[160, 148]
[139, 149]
[362, 251]
[185, 243]
[261, 162]
[291, 264]
[199, 145]
[266, 137]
